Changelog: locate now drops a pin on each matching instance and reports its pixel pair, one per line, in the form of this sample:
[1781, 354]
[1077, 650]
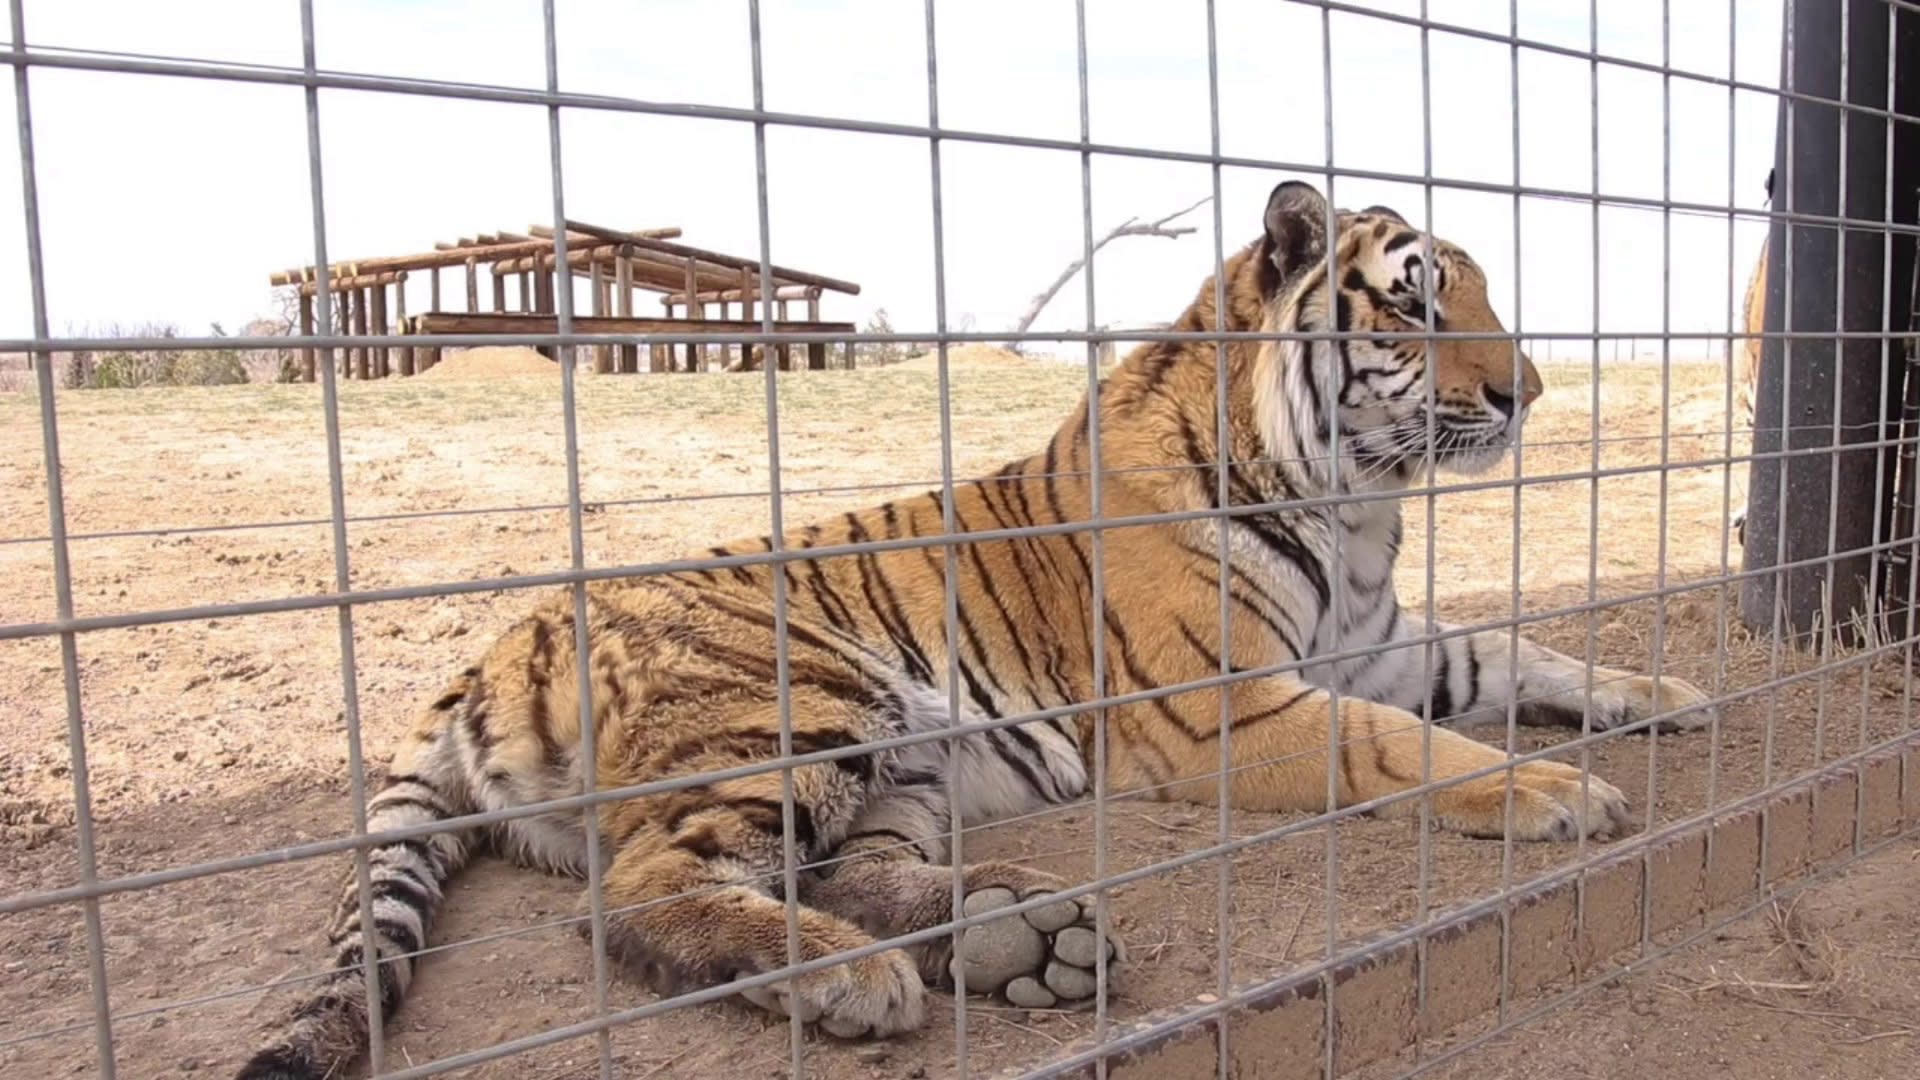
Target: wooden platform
[506, 323]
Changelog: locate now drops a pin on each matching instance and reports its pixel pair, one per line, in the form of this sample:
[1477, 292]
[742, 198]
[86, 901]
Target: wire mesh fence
[1093, 736]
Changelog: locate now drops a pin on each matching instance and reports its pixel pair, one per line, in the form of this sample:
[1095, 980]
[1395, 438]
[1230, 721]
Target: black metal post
[1821, 509]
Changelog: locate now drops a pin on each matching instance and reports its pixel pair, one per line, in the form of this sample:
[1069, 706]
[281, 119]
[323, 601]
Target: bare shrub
[126, 369]
[879, 353]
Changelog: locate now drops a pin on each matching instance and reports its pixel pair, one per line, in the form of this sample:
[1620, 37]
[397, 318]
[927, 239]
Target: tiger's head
[1482, 389]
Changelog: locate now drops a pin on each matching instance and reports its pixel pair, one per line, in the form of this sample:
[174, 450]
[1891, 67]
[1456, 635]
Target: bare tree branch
[1131, 227]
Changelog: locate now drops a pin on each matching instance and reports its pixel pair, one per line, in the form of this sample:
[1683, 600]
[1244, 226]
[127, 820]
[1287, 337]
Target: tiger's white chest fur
[1337, 586]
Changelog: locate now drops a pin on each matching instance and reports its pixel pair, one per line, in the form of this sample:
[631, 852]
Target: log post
[526, 291]
[602, 355]
[473, 285]
[783, 350]
[400, 325]
[696, 354]
[307, 373]
[344, 305]
[543, 304]
[433, 292]
[816, 351]
[377, 323]
[361, 361]
[746, 315]
[500, 293]
[623, 305]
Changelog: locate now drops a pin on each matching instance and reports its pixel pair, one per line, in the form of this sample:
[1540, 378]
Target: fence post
[1788, 523]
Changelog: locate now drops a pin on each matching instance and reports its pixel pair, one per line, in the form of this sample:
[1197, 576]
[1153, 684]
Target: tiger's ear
[1296, 236]
[1387, 212]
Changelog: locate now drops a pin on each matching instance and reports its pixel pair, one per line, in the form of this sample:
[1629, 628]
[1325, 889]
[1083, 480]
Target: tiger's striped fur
[682, 666]
[1753, 316]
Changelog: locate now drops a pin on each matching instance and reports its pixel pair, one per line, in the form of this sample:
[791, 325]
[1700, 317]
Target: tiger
[684, 671]
[1746, 375]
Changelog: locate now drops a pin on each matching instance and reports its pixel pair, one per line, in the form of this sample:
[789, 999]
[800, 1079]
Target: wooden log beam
[358, 281]
[428, 260]
[729, 295]
[654, 270]
[453, 322]
[681, 250]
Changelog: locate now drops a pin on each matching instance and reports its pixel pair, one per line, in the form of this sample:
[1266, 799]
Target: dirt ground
[1826, 983]
[210, 738]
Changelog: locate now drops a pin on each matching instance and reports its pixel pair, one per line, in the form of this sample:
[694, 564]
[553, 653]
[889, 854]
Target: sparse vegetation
[128, 369]
[879, 353]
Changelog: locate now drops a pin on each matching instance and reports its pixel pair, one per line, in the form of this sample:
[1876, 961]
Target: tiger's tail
[328, 1028]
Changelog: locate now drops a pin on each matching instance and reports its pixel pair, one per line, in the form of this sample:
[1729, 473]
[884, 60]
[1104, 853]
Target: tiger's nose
[1500, 402]
[1501, 392]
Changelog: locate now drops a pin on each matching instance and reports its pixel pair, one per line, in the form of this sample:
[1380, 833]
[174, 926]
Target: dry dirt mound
[491, 362]
[969, 356]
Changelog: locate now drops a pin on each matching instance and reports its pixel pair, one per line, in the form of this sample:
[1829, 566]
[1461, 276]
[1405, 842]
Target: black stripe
[886, 605]
[419, 847]
[541, 723]
[386, 802]
[1141, 680]
[999, 605]
[402, 886]
[888, 834]
[1442, 706]
[1400, 239]
[767, 816]
[1473, 676]
[539, 654]
[1283, 543]
[1045, 789]
[1277, 710]
[1201, 647]
[1049, 484]
[700, 841]
[1272, 625]
[835, 609]
[1022, 511]
[740, 573]
[1019, 560]
[477, 729]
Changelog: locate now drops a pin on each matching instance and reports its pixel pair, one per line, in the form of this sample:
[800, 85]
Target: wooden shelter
[511, 278]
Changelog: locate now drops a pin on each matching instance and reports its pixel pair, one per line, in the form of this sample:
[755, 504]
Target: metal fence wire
[1794, 758]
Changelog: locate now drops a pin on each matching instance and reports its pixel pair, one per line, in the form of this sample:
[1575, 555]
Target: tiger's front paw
[1042, 958]
[872, 997]
[1679, 704]
[1551, 802]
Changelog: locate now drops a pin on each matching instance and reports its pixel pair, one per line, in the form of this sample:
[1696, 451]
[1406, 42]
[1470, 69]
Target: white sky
[172, 199]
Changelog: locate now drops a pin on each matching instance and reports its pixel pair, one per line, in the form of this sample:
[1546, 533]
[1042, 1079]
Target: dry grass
[213, 737]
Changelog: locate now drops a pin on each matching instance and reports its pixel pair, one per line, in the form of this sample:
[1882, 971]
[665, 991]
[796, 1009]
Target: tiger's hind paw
[1041, 958]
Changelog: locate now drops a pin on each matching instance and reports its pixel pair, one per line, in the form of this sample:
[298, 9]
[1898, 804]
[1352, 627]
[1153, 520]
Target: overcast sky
[172, 199]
